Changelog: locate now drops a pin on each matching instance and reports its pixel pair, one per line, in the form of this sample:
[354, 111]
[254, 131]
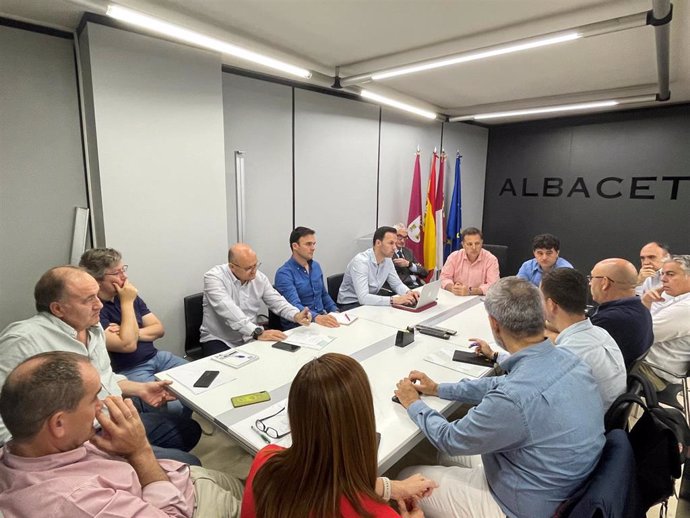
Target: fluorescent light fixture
[547, 109]
[397, 104]
[475, 55]
[200, 40]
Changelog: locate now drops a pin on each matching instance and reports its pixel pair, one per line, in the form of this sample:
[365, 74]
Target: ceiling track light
[200, 40]
[397, 104]
[575, 107]
[584, 31]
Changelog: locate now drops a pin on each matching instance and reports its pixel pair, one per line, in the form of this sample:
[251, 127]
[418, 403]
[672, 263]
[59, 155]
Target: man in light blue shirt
[539, 429]
[300, 280]
[546, 250]
[367, 272]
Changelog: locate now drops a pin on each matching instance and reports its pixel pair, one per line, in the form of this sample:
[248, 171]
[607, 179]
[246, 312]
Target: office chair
[193, 316]
[669, 396]
[333, 282]
[501, 253]
[618, 414]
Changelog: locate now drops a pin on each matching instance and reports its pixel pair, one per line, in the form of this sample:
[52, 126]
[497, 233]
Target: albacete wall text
[610, 187]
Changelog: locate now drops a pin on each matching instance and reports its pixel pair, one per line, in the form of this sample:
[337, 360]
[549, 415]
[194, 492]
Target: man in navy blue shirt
[130, 327]
[612, 283]
[300, 280]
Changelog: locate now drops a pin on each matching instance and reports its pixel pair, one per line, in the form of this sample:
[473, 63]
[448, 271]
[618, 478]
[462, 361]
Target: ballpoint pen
[260, 434]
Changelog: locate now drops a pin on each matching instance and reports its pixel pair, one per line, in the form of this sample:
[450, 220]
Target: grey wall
[336, 148]
[41, 169]
[258, 121]
[337, 161]
[620, 159]
[158, 115]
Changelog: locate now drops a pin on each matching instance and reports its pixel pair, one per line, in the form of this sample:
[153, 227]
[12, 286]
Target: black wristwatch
[257, 332]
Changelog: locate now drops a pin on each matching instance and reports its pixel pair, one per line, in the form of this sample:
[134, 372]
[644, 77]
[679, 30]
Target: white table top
[370, 340]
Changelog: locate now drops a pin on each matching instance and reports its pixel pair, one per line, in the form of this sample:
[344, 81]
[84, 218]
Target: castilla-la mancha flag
[438, 212]
[430, 220]
[414, 216]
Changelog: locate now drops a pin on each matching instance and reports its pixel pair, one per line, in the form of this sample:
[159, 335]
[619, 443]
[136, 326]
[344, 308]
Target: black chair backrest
[618, 414]
[333, 282]
[501, 253]
[193, 316]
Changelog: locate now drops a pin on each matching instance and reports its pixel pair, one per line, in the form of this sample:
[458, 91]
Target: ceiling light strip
[556, 109]
[194, 38]
[584, 31]
[397, 104]
[474, 56]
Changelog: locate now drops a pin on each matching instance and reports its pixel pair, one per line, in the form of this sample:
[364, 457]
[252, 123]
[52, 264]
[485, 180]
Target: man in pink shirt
[472, 270]
[56, 463]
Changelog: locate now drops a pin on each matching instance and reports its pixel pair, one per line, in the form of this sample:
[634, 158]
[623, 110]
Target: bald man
[620, 312]
[652, 256]
[233, 293]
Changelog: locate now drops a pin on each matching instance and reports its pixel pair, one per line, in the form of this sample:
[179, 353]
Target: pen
[265, 439]
[348, 318]
[474, 344]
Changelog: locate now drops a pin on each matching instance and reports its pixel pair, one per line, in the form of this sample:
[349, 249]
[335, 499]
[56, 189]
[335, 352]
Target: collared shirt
[231, 307]
[539, 429]
[482, 273]
[303, 288]
[45, 332]
[671, 348]
[364, 277]
[531, 270]
[111, 313]
[88, 482]
[598, 350]
[629, 323]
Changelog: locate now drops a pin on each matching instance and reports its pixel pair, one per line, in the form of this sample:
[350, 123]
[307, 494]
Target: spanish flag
[430, 220]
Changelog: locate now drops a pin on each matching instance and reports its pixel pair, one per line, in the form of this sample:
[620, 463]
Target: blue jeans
[163, 360]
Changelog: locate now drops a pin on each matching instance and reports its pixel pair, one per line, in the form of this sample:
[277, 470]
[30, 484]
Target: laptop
[427, 298]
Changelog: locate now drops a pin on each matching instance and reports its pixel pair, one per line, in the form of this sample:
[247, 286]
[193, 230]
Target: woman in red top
[330, 469]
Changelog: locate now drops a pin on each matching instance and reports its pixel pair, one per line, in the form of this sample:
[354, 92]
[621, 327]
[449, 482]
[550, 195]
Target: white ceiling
[365, 35]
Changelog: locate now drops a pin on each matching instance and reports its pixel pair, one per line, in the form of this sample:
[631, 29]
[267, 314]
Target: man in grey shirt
[233, 293]
[367, 272]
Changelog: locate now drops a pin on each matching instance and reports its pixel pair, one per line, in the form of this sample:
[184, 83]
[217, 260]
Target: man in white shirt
[565, 298]
[671, 322]
[652, 256]
[233, 293]
[367, 273]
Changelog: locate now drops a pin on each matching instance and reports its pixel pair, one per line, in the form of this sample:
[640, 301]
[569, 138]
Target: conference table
[370, 339]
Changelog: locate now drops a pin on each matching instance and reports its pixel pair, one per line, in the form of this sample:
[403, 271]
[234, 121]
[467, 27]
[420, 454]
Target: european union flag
[454, 225]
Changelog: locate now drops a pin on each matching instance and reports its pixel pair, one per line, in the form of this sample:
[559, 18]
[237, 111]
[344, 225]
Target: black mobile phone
[206, 379]
[286, 347]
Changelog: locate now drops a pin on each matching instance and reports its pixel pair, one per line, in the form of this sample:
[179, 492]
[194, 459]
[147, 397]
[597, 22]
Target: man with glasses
[671, 322]
[130, 327]
[233, 293]
[472, 270]
[410, 271]
[620, 312]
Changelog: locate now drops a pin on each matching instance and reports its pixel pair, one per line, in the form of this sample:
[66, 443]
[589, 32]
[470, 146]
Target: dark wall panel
[605, 185]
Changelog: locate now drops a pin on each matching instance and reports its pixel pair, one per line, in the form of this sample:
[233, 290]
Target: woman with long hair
[330, 469]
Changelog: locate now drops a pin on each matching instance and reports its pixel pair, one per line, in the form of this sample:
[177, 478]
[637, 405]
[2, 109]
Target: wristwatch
[257, 332]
